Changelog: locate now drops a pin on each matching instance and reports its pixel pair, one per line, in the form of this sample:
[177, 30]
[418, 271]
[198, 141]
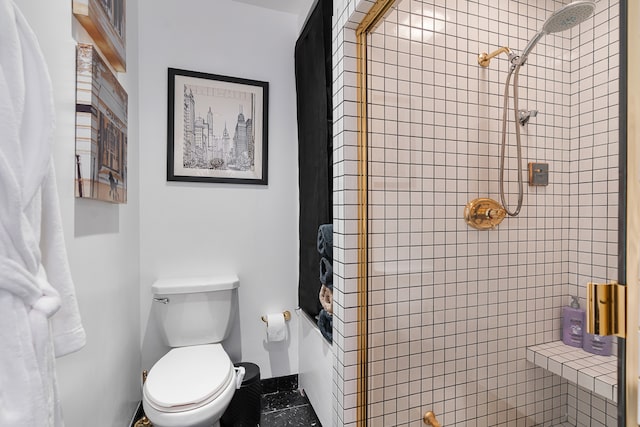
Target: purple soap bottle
[573, 318]
[597, 344]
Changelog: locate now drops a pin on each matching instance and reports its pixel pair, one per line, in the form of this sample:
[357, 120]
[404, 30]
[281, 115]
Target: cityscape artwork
[101, 130]
[217, 128]
[105, 21]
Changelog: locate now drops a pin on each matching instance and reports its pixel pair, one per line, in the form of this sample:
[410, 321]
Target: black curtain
[314, 103]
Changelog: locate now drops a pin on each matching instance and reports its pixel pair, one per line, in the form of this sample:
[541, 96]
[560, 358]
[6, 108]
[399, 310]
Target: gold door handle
[430, 419]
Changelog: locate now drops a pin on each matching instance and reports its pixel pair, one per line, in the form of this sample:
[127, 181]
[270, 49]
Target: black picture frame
[206, 140]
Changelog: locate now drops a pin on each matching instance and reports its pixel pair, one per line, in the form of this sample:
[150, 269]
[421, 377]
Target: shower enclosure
[445, 317]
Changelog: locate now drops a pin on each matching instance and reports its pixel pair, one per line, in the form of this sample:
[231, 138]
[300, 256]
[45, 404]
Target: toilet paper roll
[276, 327]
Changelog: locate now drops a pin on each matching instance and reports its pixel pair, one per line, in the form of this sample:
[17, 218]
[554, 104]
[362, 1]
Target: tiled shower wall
[453, 309]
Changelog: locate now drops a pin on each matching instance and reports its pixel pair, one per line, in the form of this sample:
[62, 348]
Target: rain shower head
[562, 19]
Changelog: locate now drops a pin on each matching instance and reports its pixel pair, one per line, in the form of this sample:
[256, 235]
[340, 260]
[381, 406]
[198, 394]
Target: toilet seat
[187, 378]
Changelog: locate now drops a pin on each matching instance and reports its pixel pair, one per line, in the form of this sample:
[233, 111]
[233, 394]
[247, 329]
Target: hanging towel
[326, 299]
[325, 324]
[325, 241]
[326, 273]
[40, 318]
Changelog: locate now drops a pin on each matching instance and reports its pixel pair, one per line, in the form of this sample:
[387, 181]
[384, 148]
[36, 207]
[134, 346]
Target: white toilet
[192, 385]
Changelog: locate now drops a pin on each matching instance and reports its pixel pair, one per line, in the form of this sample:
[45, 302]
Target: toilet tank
[192, 311]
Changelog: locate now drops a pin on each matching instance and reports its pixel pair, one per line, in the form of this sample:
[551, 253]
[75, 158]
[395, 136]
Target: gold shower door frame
[371, 19]
[369, 22]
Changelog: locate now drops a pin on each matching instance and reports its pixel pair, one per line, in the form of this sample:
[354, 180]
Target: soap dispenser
[573, 318]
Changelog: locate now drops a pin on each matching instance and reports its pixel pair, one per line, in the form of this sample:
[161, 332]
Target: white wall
[306, 7]
[100, 383]
[316, 367]
[192, 229]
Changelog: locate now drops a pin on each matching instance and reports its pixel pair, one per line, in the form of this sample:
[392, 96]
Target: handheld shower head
[562, 19]
[569, 16]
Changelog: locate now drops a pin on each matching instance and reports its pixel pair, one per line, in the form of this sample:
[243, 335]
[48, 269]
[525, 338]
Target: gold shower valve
[484, 213]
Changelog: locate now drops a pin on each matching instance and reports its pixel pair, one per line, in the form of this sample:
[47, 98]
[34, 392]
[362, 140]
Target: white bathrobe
[39, 318]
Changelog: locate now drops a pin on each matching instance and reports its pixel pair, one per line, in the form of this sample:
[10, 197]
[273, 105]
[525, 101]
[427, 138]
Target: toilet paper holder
[286, 314]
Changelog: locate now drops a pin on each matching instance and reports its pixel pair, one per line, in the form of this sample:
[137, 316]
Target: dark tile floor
[283, 405]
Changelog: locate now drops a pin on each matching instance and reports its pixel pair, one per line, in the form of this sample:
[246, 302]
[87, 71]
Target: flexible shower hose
[515, 69]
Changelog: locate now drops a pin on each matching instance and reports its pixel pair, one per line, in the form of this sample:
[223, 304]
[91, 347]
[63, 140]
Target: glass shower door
[463, 322]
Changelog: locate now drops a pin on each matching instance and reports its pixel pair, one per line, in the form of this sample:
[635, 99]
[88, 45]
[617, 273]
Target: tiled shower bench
[597, 374]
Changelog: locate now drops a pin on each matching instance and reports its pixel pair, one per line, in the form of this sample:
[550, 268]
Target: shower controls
[538, 174]
[484, 213]
[525, 115]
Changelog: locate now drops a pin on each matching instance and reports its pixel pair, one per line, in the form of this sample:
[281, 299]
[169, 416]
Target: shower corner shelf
[597, 374]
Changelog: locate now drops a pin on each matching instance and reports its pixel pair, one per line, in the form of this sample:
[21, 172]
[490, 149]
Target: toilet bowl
[189, 386]
[193, 384]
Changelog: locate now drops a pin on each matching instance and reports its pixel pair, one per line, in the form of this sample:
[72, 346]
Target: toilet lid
[188, 377]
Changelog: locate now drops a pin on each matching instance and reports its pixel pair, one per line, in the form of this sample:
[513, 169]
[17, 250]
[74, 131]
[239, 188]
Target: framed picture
[101, 130]
[217, 128]
[105, 21]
